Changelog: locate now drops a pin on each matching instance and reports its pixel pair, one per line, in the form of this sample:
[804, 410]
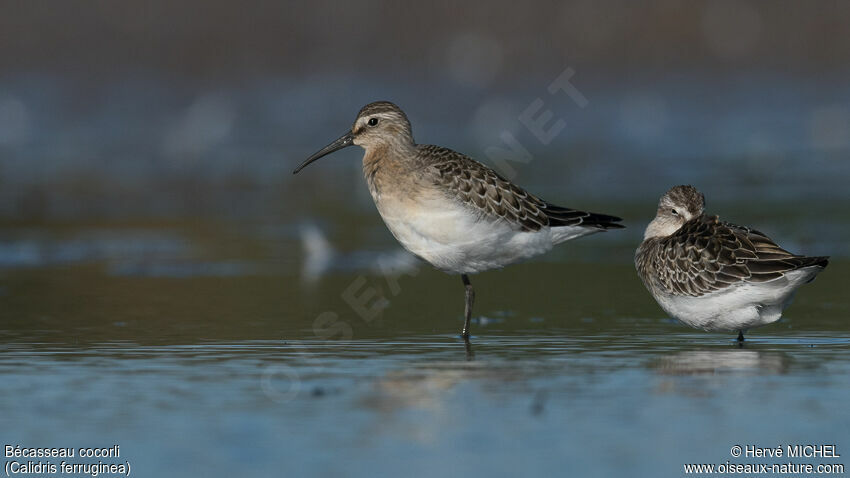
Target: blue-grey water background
[168, 286]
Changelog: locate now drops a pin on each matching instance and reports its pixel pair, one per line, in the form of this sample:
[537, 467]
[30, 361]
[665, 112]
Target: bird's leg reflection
[467, 345]
[740, 338]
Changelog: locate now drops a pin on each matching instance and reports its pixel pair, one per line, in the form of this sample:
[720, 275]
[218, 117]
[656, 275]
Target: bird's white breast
[453, 238]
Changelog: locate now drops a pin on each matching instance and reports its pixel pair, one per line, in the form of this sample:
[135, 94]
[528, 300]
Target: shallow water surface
[234, 350]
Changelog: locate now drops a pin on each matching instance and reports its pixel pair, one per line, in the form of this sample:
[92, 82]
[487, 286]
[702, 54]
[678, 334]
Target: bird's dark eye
[675, 213]
[372, 121]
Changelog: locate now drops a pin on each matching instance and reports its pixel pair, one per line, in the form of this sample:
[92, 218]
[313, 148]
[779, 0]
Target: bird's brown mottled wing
[706, 255]
[483, 190]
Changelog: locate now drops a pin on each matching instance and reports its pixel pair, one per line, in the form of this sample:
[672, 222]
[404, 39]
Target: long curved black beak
[343, 141]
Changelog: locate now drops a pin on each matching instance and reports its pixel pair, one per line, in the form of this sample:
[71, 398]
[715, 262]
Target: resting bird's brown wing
[494, 197]
[706, 255]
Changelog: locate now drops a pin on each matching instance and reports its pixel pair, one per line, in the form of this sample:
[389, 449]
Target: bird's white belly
[741, 306]
[451, 237]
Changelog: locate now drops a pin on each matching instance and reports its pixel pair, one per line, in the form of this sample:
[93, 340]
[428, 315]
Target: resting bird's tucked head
[679, 205]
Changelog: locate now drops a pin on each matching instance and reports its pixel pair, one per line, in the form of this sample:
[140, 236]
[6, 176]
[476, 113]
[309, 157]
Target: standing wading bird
[450, 210]
[714, 275]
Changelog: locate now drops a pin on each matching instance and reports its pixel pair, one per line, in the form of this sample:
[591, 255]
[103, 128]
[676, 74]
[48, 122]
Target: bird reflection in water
[716, 362]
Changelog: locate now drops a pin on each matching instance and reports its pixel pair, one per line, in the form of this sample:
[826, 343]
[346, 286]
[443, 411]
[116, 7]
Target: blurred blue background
[163, 109]
[164, 277]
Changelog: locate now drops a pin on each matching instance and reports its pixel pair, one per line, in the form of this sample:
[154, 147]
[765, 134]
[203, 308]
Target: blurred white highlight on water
[321, 258]
[318, 252]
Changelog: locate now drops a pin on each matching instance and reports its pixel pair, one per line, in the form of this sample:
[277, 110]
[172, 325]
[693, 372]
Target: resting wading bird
[713, 275]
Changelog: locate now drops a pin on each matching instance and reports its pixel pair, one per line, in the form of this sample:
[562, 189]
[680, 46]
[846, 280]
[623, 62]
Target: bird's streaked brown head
[685, 201]
[381, 123]
[679, 205]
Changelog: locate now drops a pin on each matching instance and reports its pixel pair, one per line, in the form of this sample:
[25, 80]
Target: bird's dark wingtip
[604, 221]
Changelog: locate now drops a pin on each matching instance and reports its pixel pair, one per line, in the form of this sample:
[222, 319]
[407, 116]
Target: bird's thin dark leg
[467, 310]
[740, 336]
